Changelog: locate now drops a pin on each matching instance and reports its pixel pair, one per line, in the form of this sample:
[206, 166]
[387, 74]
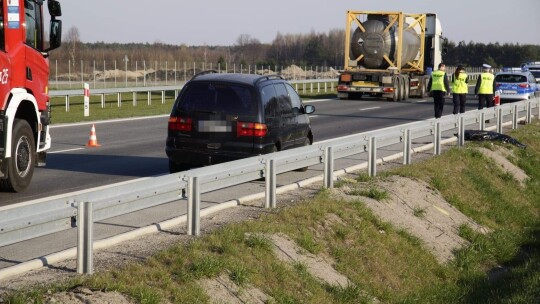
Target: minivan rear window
[218, 98]
[511, 78]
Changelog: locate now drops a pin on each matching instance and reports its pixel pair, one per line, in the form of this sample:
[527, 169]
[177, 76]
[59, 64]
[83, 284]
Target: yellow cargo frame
[399, 17]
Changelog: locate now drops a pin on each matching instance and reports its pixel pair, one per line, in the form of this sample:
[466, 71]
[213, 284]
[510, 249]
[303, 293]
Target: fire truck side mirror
[55, 10]
[55, 36]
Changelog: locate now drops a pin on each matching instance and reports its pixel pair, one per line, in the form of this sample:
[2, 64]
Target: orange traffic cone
[92, 141]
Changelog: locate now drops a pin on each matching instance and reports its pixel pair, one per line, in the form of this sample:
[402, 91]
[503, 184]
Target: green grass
[381, 261]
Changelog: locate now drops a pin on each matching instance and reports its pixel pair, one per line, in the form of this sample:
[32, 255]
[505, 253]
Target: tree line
[311, 49]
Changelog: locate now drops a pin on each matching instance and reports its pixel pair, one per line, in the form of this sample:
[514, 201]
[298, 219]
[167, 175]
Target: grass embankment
[381, 261]
[111, 110]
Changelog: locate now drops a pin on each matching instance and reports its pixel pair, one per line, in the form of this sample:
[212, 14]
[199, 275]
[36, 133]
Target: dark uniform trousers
[438, 100]
[485, 100]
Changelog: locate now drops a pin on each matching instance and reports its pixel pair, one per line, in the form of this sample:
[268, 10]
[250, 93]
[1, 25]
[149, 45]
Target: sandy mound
[500, 157]
[420, 210]
[320, 267]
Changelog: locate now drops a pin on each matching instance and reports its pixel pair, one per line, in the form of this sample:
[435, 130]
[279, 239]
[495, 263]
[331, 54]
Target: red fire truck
[24, 75]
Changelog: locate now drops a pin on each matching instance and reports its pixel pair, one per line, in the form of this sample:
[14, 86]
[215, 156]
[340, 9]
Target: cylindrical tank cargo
[374, 44]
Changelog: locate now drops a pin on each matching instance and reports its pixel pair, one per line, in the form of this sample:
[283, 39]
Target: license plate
[214, 126]
[509, 92]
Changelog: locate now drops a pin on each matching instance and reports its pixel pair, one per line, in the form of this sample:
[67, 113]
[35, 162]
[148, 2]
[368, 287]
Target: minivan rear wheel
[307, 142]
[176, 167]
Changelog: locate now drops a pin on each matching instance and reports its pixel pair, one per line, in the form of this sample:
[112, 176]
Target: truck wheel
[404, 87]
[20, 166]
[397, 91]
[407, 89]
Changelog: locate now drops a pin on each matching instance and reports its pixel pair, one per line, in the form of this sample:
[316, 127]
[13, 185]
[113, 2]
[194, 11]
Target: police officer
[460, 88]
[438, 86]
[485, 87]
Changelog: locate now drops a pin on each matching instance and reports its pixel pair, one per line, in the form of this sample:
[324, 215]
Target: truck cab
[24, 76]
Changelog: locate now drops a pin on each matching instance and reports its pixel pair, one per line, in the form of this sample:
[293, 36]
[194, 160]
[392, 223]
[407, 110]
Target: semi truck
[389, 54]
[24, 74]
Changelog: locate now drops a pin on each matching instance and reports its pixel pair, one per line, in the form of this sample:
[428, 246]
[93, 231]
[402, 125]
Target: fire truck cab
[24, 77]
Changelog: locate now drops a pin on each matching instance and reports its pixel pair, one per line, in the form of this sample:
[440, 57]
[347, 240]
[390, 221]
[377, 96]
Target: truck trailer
[24, 76]
[389, 54]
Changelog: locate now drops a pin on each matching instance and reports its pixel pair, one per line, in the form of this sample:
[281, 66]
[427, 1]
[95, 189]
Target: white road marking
[313, 116]
[317, 100]
[367, 109]
[68, 150]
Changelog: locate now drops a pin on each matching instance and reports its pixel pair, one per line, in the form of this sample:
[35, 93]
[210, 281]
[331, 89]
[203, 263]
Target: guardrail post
[437, 139]
[407, 145]
[499, 120]
[529, 112]
[162, 97]
[134, 99]
[328, 167]
[119, 99]
[103, 100]
[325, 87]
[149, 98]
[67, 103]
[85, 238]
[372, 158]
[194, 205]
[461, 131]
[482, 121]
[311, 87]
[270, 180]
[515, 117]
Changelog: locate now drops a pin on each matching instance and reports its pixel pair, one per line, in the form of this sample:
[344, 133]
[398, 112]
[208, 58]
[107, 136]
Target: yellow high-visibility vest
[486, 86]
[459, 86]
[437, 81]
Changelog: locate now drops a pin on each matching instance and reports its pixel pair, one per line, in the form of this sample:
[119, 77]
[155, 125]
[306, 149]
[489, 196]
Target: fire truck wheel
[20, 166]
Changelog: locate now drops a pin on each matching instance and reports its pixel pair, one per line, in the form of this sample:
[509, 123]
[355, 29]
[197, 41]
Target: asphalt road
[134, 148]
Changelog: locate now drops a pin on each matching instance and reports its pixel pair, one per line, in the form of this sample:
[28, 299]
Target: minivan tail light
[180, 123]
[250, 129]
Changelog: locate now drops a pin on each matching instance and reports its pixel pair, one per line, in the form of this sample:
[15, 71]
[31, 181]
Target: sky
[221, 22]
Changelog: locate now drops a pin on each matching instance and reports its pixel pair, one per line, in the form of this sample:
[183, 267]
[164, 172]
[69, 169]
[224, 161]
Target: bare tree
[72, 39]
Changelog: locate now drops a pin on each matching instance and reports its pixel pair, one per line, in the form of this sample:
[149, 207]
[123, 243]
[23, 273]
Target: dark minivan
[222, 117]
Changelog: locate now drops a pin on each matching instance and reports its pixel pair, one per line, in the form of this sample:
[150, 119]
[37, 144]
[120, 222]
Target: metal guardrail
[49, 215]
[304, 86]
[310, 85]
[29, 220]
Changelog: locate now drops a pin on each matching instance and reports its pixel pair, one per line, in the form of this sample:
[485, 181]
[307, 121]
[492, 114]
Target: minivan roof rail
[204, 73]
[268, 77]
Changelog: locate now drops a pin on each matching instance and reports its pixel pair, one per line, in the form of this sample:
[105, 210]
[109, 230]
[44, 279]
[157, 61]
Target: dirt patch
[500, 157]
[223, 290]
[419, 209]
[317, 265]
[87, 296]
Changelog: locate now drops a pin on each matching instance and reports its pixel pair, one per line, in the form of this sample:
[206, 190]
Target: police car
[516, 84]
[534, 68]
